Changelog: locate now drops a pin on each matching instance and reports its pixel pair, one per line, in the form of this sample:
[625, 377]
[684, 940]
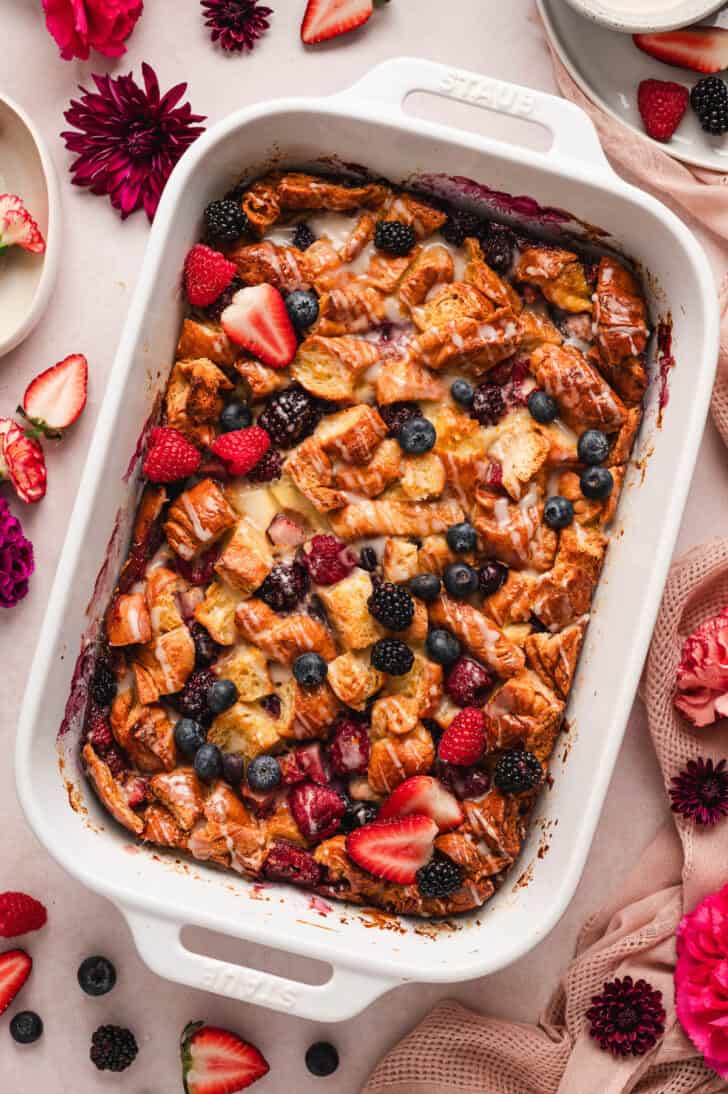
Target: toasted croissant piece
[384, 517]
[346, 607]
[514, 533]
[329, 367]
[423, 683]
[404, 378]
[153, 732]
[452, 303]
[127, 622]
[321, 265]
[161, 828]
[297, 190]
[562, 444]
[350, 309]
[204, 340]
[432, 266]
[193, 396]
[586, 510]
[261, 379]
[493, 287]
[495, 819]
[473, 343]
[260, 205]
[125, 717]
[197, 519]
[163, 665]
[537, 330]
[422, 477]
[395, 714]
[145, 537]
[247, 558]
[314, 710]
[162, 587]
[268, 263]
[479, 634]
[283, 637]
[399, 559]
[376, 476]
[281, 825]
[217, 613]
[585, 400]
[352, 434]
[176, 413]
[620, 315]
[353, 679]
[434, 555]
[394, 759]
[512, 602]
[385, 272]
[554, 656]
[423, 218]
[312, 471]
[181, 792]
[559, 274]
[521, 449]
[524, 712]
[461, 848]
[361, 233]
[249, 729]
[110, 792]
[563, 595]
[247, 667]
[624, 441]
[244, 837]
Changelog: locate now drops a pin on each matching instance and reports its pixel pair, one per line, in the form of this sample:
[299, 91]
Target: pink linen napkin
[455, 1051]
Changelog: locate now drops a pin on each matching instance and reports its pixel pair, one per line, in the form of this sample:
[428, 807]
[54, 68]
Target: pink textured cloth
[455, 1051]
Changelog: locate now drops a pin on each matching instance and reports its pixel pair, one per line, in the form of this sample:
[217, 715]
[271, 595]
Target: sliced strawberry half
[22, 461]
[257, 319]
[324, 19]
[394, 849]
[15, 966]
[17, 226]
[427, 796]
[216, 1061]
[55, 398]
[701, 49]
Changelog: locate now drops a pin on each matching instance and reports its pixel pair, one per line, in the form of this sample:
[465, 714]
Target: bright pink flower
[702, 675]
[701, 979]
[81, 25]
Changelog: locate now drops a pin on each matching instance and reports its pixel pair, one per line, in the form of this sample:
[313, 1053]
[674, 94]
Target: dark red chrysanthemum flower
[627, 1018]
[236, 24]
[129, 138]
[700, 792]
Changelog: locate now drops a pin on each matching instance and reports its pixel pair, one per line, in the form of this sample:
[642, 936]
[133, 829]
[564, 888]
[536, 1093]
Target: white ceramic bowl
[27, 280]
[633, 16]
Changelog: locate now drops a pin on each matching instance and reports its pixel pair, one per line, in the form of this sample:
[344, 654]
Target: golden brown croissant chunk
[432, 266]
[563, 595]
[478, 634]
[204, 340]
[247, 558]
[376, 476]
[554, 656]
[515, 533]
[404, 378]
[297, 190]
[313, 473]
[269, 263]
[585, 399]
[197, 519]
[620, 315]
[283, 637]
[423, 218]
[329, 367]
[110, 792]
[394, 759]
[127, 622]
[260, 205]
[163, 665]
[181, 792]
[352, 435]
[559, 274]
[353, 679]
[351, 309]
[523, 712]
[384, 517]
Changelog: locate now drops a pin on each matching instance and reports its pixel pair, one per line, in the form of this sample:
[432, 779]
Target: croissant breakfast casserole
[374, 514]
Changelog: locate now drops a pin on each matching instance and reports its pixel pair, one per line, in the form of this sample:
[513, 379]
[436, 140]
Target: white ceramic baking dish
[158, 895]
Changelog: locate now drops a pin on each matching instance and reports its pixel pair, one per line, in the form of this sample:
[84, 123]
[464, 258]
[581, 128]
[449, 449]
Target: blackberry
[113, 1048]
[439, 877]
[491, 576]
[394, 237]
[459, 225]
[303, 237]
[488, 404]
[103, 685]
[285, 585]
[517, 771]
[357, 815]
[498, 243]
[225, 221]
[368, 559]
[289, 416]
[214, 311]
[206, 648]
[267, 469]
[392, 606]
[192, 700]
[709, 100]
[392, 656]
[396, 414]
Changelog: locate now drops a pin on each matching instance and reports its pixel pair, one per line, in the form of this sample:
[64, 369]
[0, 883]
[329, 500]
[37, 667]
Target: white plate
[608, 68]
[634, 15]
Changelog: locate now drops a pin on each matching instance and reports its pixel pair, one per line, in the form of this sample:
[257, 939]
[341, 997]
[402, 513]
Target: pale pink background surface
[101, 260]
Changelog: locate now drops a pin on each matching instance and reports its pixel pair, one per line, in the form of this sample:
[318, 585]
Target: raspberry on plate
[328, 560]
[662, 105]
[464, 740]
[242, 449]
[20, 913]
[207, 274]
[170, 456]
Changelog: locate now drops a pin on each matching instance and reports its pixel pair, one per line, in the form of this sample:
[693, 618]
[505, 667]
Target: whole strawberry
[662, 105]
[170, 456]
[241, 449]
[464, 740]
[207, 274]
[20, 913]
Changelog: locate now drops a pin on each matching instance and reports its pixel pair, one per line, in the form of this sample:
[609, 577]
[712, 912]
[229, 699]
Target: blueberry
[302, 308]
[189, 735]
[442, 646]
[593, 447]
[462, 537]
[357, 815]
[462, 392]
[26, 1026]
[322, 1059]
[596, 483]
[310, 669]
[221, 695]
[417, 436]
[368, 559]
[235, 416]
[425, 587]
[208, 763]
[491, 576]
[96, 975]
[558, 512]
[232, 768]
[264, 774]
[542, 407]
[460, 579]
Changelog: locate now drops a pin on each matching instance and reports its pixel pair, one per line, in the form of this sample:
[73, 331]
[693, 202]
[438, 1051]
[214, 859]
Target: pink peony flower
[702, 675]
[81, 25]
[701, 979]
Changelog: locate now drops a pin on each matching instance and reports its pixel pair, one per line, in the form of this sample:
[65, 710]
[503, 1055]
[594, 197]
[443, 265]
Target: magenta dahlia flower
[701, 979]
[236, 24]
[627, 1017]
[16, 558]
[79, 26]
[129, 138]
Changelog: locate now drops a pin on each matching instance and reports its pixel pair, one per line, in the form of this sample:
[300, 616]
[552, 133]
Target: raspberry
[394, 237]
[498, 243]
[103, 685]
[392, 656]
[289, 416]
[207, 274]
[20, 913]
[368, 559]
[135, 789]
[464, 740]
[291, 768]
[328, 560]
[99, 733]
[517, 771]
[439, 877]
[286, 862]
[396, 414]
[242, 449]
[170, 456]
[192, 699]
[201, 570]
[459, 225]
[392, 606]
[468, 683]
[662, 105]
[464, 782]
[214, 311]
[488, 404]
[349, 748]
[303, 237]
[317, 810]
[285, 585]
[267, 469]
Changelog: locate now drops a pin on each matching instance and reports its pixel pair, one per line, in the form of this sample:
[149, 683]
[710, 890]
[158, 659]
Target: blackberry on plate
[103, 685]
[189, 735]
[263, 774]
[208, 762]
[303, 237]
[233, 767]
[368, 559]
[498, 243]
[488, 404]
[221, 695]
[285, 585]
[442, 647]
[113, 1048]
[417, 436]
[214, 311]
[459, 226]
[558, 512]
[96, 975]
[26, 1027]
[357, 815]
[322, 1059]
[461, 537]
[440, 877]
[596, 483]
[394, 237]
[268, 468]
[425, 587]
[225, 221]
[396, 414]
[302, 308]
[392, 656]
[460, 580]
[592, 447]
[462, 392]
[310, 669]
[289, 416]
[517, 771]
[491, 576]
[392, 606]
[709, 100]
[235, 416]
[542, 407]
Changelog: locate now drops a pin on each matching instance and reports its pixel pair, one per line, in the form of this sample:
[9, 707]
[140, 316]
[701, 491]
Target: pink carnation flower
[81, 25]
[701, 979]
[702, 675]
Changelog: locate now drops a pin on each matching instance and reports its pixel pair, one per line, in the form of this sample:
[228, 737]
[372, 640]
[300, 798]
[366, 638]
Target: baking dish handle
[574, 135]
[344, 995]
